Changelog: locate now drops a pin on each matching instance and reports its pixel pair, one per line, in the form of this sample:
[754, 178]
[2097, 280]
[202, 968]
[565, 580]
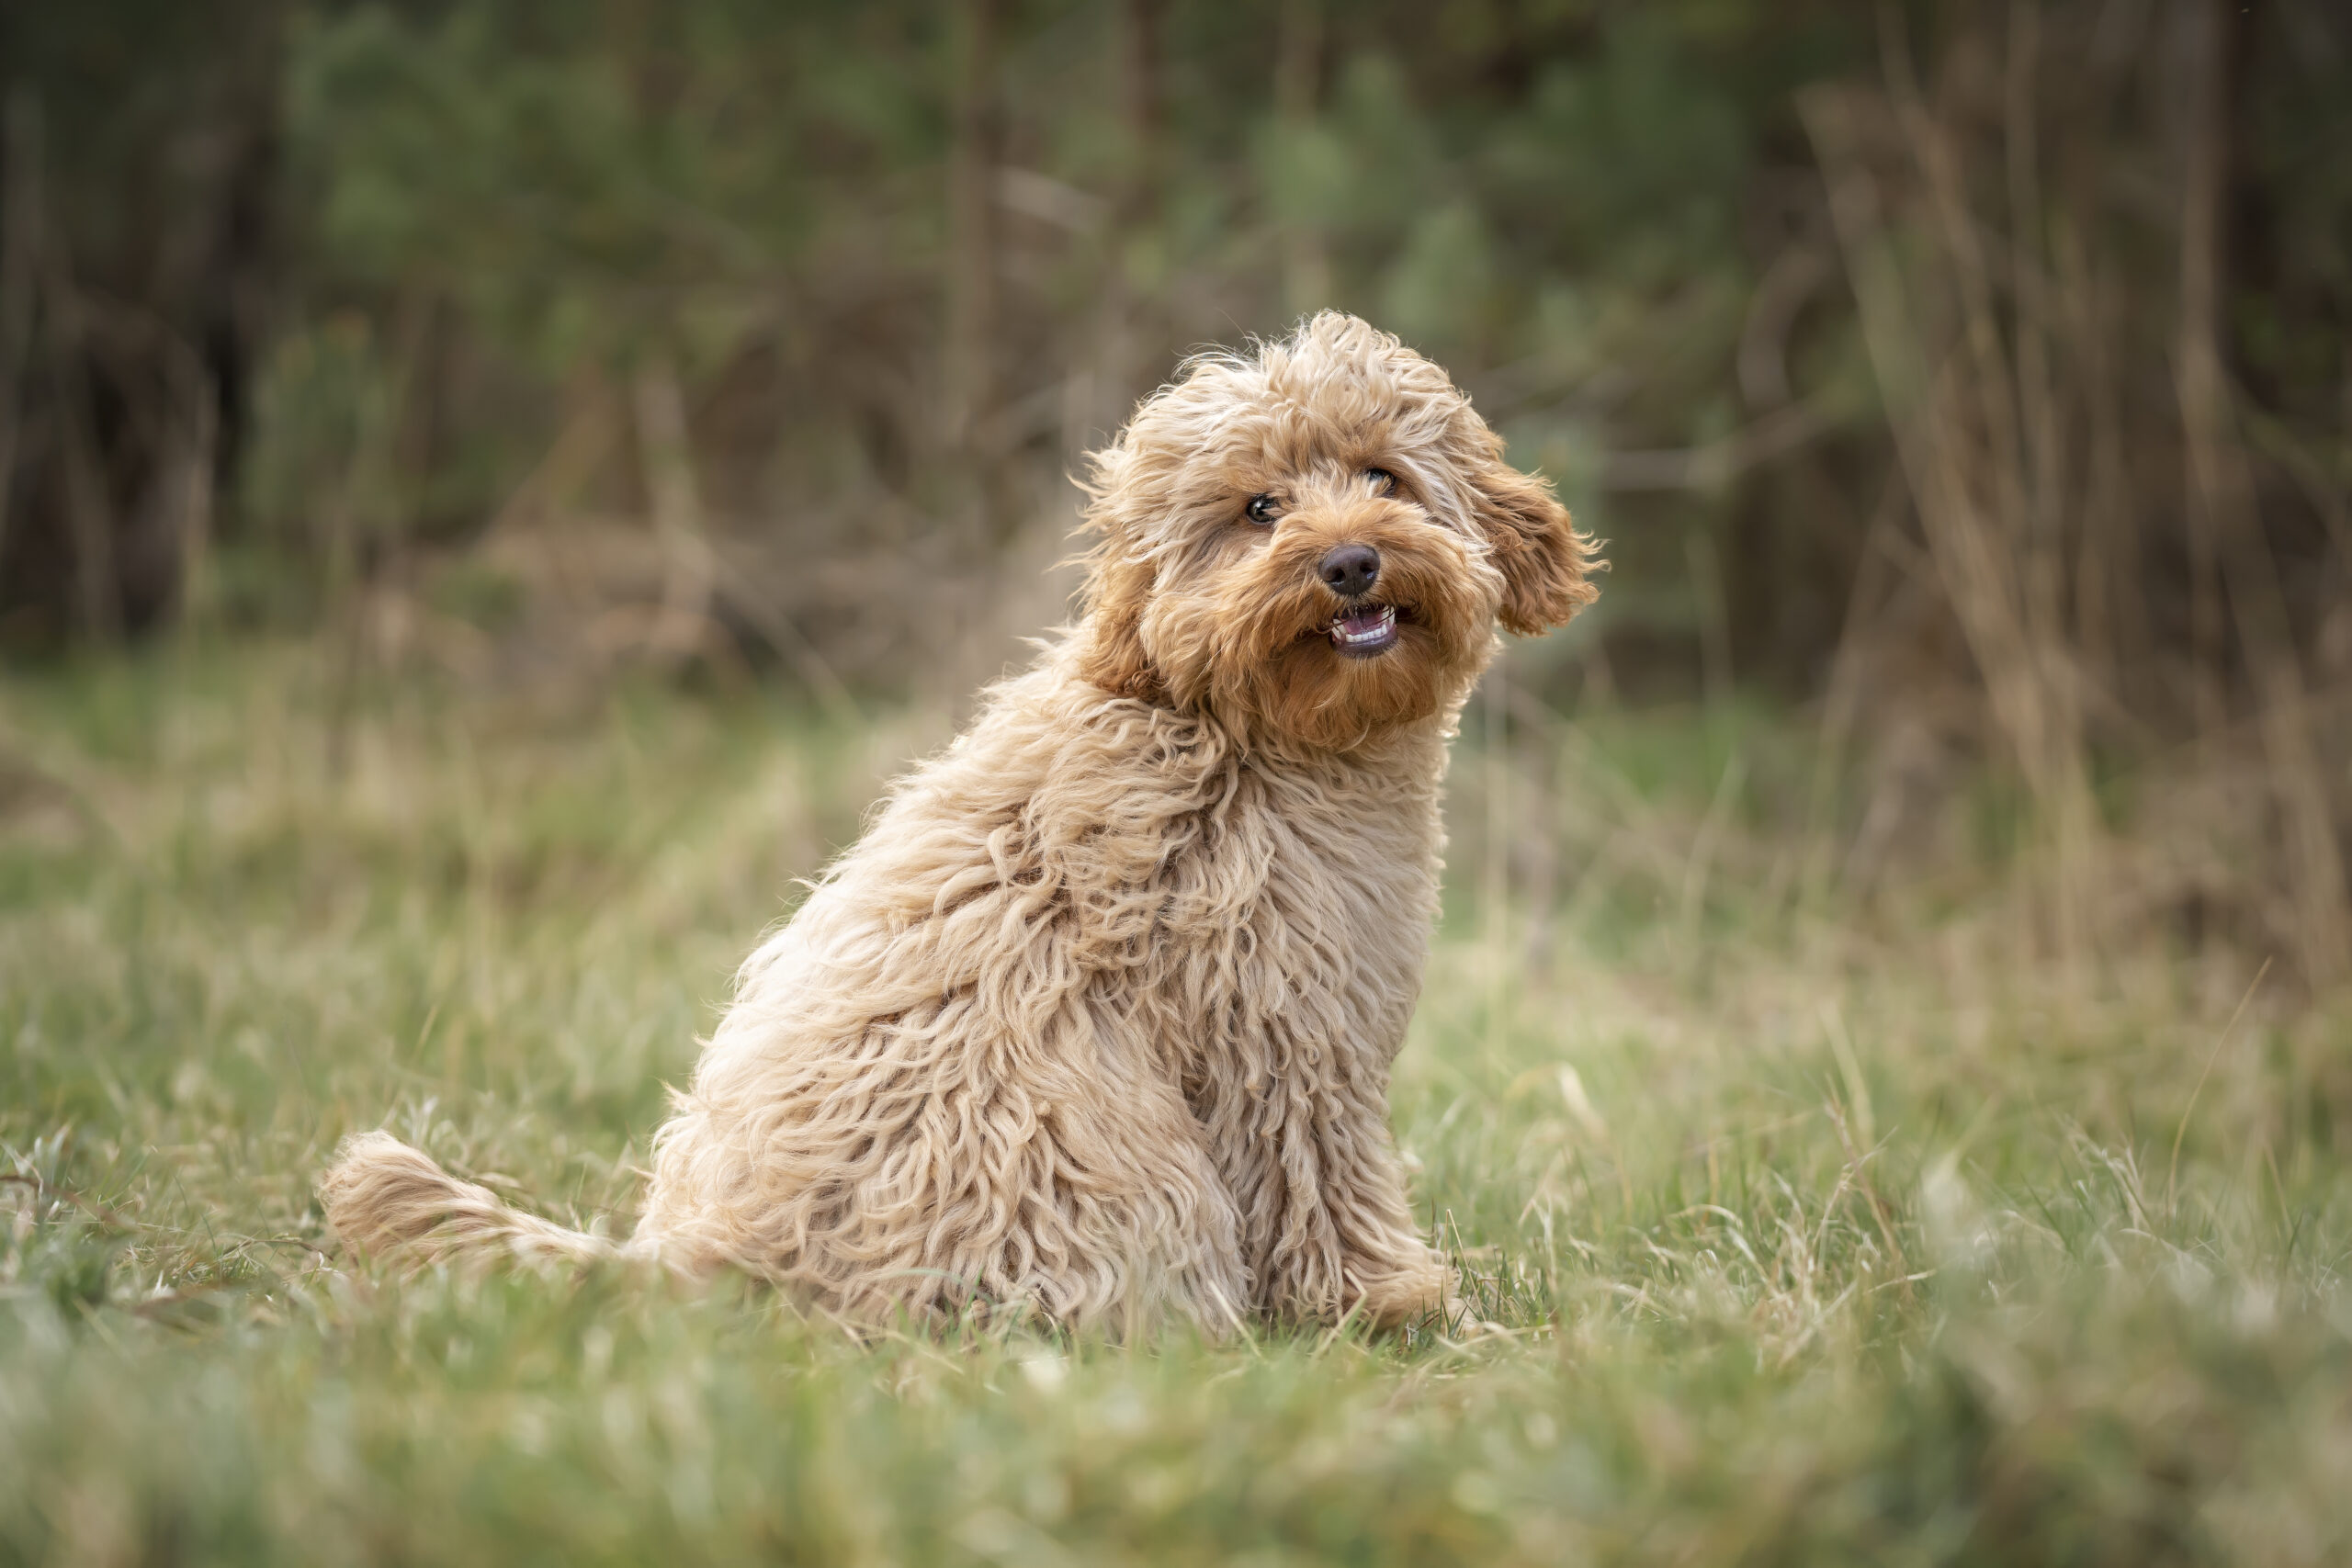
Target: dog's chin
[1312, 670]
[1346, 680]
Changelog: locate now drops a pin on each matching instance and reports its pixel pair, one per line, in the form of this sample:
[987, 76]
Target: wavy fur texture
[1096, 1021]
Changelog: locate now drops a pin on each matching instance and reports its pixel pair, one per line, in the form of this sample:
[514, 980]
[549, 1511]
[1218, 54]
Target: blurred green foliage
[1541, 197]
[905, 262]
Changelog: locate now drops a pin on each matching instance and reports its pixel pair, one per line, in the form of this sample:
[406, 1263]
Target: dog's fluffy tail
[383, 1197]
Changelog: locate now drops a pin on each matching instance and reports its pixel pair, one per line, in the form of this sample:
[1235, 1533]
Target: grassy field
[1805, 1231]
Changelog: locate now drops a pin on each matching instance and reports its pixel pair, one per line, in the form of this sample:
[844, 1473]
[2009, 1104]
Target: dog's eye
[1262, 510]
[1383, 481]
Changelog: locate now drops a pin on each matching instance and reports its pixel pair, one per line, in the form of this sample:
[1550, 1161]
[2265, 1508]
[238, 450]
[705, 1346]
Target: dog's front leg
[1304, 1145]
[1388, 1275]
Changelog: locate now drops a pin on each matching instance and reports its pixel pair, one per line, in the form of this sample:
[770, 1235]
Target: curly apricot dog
[1096, 1021]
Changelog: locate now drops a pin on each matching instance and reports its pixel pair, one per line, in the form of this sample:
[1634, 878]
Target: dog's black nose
[1349, 571]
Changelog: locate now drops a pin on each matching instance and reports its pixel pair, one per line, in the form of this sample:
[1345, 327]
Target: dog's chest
[1302, 909]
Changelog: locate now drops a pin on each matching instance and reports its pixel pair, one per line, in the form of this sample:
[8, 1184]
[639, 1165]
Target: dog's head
[1317, 540]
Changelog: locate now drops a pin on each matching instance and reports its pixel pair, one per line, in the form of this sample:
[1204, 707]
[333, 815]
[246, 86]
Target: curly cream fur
[1096, 1021]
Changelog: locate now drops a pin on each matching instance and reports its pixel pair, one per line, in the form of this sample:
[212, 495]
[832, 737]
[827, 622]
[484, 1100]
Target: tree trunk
[89, 513]
[20, 215]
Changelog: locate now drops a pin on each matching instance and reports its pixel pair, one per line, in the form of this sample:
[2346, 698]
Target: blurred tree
[138, 151]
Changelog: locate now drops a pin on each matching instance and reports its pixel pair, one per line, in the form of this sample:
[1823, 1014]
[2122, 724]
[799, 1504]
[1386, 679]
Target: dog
[1095, 1022]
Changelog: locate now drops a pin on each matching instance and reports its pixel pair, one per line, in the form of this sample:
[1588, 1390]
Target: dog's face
[1318, 541]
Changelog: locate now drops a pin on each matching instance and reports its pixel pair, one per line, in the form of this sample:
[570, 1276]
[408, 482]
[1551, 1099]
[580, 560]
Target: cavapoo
[1095, 1022]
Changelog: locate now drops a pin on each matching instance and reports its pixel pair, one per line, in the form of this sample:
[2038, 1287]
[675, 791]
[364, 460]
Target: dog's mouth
[1361, 631]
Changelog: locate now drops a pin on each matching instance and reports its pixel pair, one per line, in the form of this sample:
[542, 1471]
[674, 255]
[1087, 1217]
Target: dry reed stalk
[1997, 521]
[2225, 525]
[1993, 342]
[1953, 401]
[195, 431]
[2110, 617]
[1298, 56]
[1495, 878]
[972, 378]
[581, 444]
[1841, 702]
[689, 569]
[1134, 313]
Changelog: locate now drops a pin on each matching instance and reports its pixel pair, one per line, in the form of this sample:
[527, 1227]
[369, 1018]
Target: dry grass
[1808, 1229]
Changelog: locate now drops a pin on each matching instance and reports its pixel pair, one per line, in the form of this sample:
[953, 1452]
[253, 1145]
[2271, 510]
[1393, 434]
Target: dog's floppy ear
[1115, 659]
[1544, 561]
[1118, 580]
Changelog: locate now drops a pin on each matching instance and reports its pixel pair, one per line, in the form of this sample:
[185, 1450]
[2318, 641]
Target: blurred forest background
[490, 488]
[1974, 378]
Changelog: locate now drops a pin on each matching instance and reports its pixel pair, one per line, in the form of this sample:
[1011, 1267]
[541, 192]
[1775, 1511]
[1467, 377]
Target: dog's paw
[1403, 1295]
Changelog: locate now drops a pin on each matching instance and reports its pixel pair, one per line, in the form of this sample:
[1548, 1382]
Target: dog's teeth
[1384, 621]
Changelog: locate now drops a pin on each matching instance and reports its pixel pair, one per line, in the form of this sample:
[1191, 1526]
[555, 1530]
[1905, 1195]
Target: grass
[1806, 1231]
